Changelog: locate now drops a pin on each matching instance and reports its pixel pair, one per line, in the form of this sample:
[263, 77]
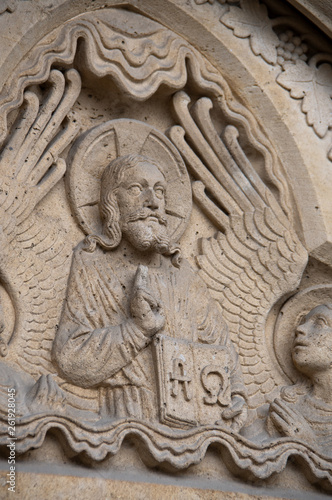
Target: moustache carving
[144, 213]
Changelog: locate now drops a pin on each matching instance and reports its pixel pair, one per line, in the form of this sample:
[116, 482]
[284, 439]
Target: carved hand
[290, 422]
[146, 310]
[237, 412]
[45, 394]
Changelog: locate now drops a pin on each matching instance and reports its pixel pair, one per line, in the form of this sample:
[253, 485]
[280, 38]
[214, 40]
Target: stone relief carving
[30, 166]
[123, 335]
[237, 264]
[306, 76]
[311, 83]
[251, 20]
[115, 301]
[304, 410]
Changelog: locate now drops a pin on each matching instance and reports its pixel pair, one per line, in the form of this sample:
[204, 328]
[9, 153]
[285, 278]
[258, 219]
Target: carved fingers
[45, 394]
[290, 422]
[146, 309]
[237, 412]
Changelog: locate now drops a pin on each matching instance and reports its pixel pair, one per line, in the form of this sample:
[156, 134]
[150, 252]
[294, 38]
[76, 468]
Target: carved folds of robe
[98, 343]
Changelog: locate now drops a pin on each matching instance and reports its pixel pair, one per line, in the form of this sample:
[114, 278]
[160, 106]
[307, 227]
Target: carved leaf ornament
[313, 85]
[305, 81]
[251, 20]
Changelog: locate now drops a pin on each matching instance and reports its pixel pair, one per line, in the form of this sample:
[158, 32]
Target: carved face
[141, 200]
[312, 348]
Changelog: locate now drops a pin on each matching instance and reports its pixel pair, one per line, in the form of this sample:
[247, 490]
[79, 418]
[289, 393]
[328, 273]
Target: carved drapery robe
[318, 414]
[98, 343]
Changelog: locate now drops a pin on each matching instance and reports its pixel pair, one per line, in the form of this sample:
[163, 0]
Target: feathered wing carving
[256, 257]
[32, 254]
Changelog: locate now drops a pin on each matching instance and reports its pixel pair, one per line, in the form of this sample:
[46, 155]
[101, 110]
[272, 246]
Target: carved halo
[289, 317]
[96, 148]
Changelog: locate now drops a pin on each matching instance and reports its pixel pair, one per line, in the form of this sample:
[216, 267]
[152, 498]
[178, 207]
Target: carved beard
[146, 235]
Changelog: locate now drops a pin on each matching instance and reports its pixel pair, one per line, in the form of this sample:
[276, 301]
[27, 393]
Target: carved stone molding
[281, 40]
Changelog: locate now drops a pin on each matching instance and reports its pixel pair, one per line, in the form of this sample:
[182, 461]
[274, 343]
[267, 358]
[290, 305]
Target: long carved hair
[109, 208]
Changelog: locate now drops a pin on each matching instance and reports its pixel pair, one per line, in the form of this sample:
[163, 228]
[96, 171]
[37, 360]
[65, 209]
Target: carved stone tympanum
[164, 269]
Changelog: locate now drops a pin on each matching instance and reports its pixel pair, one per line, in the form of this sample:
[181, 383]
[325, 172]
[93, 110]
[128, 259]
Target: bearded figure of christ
[128, 285]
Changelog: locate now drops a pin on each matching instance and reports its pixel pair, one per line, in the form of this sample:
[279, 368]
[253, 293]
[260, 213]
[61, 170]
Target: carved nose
[151, 201]
[301, 329]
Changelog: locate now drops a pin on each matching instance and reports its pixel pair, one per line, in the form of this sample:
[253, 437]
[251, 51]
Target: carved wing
[32, 254]
[256, 257]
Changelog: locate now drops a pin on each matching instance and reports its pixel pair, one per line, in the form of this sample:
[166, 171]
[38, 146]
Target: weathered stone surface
[165, 269]
[30, 485]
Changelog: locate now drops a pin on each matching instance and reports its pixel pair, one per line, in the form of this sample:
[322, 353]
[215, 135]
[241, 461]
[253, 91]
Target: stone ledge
[77, 482]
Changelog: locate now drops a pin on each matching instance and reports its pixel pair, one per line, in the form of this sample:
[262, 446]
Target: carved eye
[320, 321]
[302, 319]
[160, 191]
[135, 189]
